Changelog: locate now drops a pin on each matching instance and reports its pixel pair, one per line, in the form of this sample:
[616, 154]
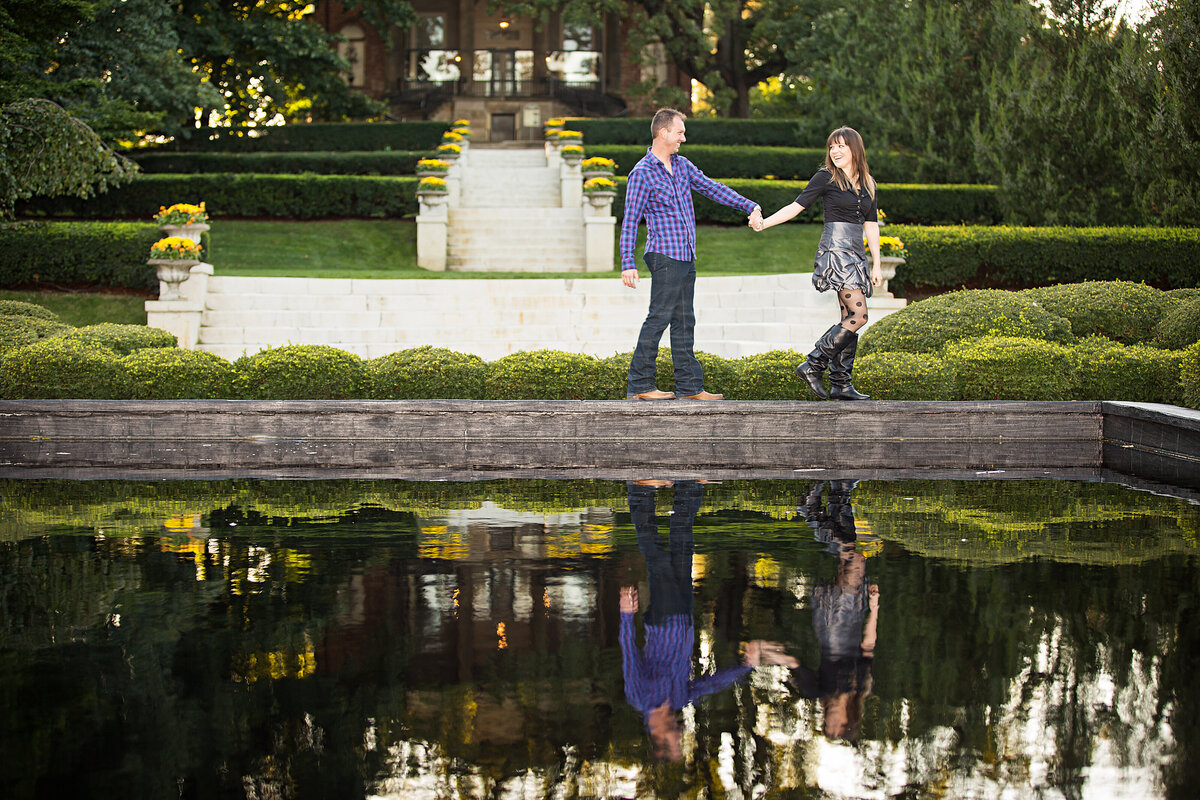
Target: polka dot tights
[854, 308]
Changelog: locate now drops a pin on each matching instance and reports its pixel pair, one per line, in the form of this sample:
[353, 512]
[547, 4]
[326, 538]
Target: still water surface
[536, 639]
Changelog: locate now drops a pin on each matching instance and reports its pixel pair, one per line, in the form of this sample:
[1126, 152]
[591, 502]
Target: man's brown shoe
[705, 396]
[653, 394]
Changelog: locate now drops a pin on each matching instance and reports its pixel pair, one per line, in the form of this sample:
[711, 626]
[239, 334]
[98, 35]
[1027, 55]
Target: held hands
[756, 219]
[629, 599]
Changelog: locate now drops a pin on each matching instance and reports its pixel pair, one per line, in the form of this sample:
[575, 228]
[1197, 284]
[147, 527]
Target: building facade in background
[507, 75]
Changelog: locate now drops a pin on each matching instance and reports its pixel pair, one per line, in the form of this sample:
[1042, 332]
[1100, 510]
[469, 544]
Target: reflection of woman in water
[658, 677]
[845, 614]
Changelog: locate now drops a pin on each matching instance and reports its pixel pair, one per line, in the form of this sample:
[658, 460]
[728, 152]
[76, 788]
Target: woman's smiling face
[839, 154]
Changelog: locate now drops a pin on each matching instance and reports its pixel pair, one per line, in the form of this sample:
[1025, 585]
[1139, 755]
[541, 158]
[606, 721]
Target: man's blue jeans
[672, 290]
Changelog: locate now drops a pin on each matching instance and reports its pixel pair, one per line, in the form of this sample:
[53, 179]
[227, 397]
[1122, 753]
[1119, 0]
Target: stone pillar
[599, 228]
[182, 317]
[454, 182]
[432, 222]
[572, 183]
[553, 158]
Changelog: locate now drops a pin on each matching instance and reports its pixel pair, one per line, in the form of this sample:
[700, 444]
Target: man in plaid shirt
[660, 188]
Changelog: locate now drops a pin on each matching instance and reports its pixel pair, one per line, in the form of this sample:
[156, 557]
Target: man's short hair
[663, 119]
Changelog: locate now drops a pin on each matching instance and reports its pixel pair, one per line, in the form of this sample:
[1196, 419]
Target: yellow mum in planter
[572, 148]
[175, 248]
[452, 136]
[432, 184]
[556, 122]
[433, 164]
[890, 246]
[570, 134]
[599, 185]
[449, 148]
[462, 123]
[181, 214]
[598, 163]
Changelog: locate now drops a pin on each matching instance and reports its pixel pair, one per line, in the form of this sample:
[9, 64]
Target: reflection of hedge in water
[1005, 521]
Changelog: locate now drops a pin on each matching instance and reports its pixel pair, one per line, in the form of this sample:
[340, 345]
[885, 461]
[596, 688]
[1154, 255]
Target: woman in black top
[851, 210]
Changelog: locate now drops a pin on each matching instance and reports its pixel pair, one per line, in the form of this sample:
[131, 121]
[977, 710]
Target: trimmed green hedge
[550, 375]
[66, 253]
[636, 130]
[903, 202]
[232, 196]
[1011, 368]
[925, 327]
[905, 376]
[20, 330]
[426, 372]
[1189, 376]
[1021, 257]
[123, 339]
[1120, 310]
[301, 372]
[62, 368]
[369, 162]
[171, 373]
[419, 135]
[749, 161]
[19, 308]
[1137, 373]
[1179, 326]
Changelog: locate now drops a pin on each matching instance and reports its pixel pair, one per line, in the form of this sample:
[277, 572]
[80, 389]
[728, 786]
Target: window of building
[353, 51]
[428, 32]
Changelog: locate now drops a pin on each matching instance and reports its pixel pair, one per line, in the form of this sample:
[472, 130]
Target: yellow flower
[452, 136]
[432, 184]
[599, 185]
[570, 134]
[890, 246]
[462, 123]
[596, 163]
[449, 148]
[572, 148]
[433, 164]
[175, 247]
[181, 214]
[556, 122]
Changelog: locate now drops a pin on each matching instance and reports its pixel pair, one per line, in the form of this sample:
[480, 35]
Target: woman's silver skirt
[841, 261]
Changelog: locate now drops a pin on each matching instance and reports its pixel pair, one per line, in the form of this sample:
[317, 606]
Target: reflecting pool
[538, 639]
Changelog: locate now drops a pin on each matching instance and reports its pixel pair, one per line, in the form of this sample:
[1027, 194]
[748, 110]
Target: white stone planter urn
[172, 272]
[433, 199]
[589, 174]
[192, 231]
[600, 199]
[887, 267]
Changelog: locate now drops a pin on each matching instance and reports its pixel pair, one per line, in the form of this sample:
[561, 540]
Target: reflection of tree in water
[1037, 677]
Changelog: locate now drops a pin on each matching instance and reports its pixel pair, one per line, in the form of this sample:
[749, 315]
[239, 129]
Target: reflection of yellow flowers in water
[766, 572]
[182, 522]
[284, 662]
[501, 636]
[438, 542]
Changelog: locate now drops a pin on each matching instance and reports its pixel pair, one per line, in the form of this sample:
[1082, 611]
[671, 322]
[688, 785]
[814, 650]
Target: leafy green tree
[46, 151]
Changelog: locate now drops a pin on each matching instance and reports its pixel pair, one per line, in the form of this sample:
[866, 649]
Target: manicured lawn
[86, 308]
[388, 249]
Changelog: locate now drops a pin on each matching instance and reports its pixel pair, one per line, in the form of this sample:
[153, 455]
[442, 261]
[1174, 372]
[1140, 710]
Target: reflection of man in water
[658, 678]
[845, 613]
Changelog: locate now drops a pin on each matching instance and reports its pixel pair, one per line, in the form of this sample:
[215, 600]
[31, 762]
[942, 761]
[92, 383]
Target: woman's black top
[841, 205]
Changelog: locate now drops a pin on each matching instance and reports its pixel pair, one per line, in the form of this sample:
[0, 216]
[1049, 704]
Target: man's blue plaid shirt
[665, 200]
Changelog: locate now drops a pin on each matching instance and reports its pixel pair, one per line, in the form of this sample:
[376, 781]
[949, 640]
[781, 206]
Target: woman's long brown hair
[858, 154]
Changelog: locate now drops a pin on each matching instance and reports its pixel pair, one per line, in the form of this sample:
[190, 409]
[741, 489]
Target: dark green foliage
[929, 204]
[748, 161]
[1109, 370]
[172, 373]
[316, 136]
[1120, 310]
[768, 376]
[61, 368]
[905, 376]
[18, 308]
[1179, 326]
[19, 330]
[1182, 295]
[249, 195]
[426, 373]
[1011, 368]
[66, 253]
[636, 130]
[548, 375]
[1189, 376]
[926, 326]
[301, 372]
[123, 339]
[377, 162]
[1020, 257]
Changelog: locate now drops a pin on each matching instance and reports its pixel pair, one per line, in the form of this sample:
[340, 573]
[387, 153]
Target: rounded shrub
[548, 375]
[769, 376]
[1180, 326]
[172, 373]
[1011, 368]
[22, 330]
[123, 339]
[925, 327]
[1119, 310]
[905, 376]
[1109, 370]
[426, 373]
[301, 372]
[19, 308]
[62, 368]
[1184, 294]
[1189, 376]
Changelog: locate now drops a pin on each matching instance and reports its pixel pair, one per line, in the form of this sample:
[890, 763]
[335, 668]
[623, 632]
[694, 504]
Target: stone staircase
[510, 217]
[736, 316]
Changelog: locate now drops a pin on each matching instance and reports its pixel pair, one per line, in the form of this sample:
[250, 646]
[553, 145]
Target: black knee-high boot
[828, 346]
[840, 368]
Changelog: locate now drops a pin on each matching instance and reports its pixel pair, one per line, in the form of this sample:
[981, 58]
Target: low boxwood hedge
[1011, 368]
[69, 253]
[63, 368]
[426, 373]
[1120, 310]
[550, 375]
[19, 308]
[416, 135]
[767, 376]
[953, 257]
[172, 373]
[1108, 370]
[371, 162]
[18, 331]
[636, 130]
[301, 372]
[905, 376]
[1189, 376]
[123, 339]
[1179, 326]
[231, 196]
[925, 327]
